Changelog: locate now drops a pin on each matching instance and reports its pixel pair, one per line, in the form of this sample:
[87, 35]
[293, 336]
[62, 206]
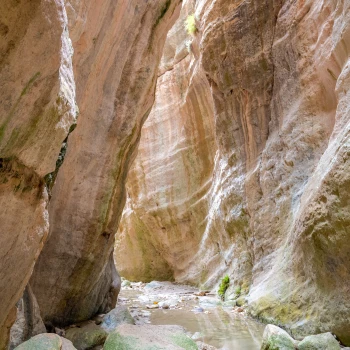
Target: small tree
[225, 282]
[190, 25]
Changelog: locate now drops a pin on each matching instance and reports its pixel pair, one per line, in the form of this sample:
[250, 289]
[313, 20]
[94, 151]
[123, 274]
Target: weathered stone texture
[276, 218]
[37, 108]
[118, 46]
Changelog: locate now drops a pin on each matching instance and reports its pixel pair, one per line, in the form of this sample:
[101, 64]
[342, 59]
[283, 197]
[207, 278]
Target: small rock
[324, 341]
[240, 301]
[46, 342]
[198, 309]
[276, 338]
[87, 336]
[164, 305]
[126, 283]
[203, 346]
[60, 332]
[240, 309]
[124, 300]
[154, 306]
[116, 317]
[153, 285]
[98, 319]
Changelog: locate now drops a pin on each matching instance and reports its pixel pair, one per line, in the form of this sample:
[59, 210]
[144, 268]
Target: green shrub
[225, 282]
[238, 291]
[190, 25]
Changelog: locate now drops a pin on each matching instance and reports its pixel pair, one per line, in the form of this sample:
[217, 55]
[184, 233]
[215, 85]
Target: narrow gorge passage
[206, 318]
[200, 149]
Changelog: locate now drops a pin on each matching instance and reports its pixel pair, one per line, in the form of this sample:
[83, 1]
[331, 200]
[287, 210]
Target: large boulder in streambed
[86, 336]
[324, 341]
[146, 337]
[276, 338]
[46, 342]
[116, 317]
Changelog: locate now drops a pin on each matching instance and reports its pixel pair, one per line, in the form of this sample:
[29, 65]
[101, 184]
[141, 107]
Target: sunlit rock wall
[272, 205]
[167, 187]
[37, 108]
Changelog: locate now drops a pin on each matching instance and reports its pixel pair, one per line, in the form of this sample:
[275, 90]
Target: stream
[205, 317]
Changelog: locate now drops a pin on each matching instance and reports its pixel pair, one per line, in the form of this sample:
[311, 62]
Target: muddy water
[205, 318]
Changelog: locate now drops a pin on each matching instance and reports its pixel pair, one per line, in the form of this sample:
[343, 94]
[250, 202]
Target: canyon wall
[37, 108]
[118, 46]
[243, 166]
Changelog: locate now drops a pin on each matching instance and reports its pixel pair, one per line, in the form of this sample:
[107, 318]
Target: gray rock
[324, 341]
[28, 321]
[46, 342]
[153, 285]
[240, 301]
[87, 336]
[126, 283]
[276, 338]
[116, 317]
[146, 337]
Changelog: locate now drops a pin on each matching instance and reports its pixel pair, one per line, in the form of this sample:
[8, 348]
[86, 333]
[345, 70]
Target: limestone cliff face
[268, 202]
[118, 46]
[37, 108]
[172, 174]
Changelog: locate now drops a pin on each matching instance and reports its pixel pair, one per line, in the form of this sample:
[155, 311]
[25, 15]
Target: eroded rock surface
[47, 342]
[118, 45]
[37, 108]
[167, 206]
[268, 202]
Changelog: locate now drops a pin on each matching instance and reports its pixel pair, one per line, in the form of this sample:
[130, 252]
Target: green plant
[225, 282]
[238, 291]
[190, 25]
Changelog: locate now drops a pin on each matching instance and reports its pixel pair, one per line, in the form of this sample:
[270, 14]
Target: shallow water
[218, 326]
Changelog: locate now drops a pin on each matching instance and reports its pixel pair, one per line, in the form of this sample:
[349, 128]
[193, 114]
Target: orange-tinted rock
[37, 108]
[166, 212]
[277, 202]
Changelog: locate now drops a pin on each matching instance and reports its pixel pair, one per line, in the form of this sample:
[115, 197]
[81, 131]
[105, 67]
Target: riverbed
[203, 315]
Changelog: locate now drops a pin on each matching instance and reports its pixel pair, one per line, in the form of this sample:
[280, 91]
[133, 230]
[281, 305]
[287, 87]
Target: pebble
[198, 309]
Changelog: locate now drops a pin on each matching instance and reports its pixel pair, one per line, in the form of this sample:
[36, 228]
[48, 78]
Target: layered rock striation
[118, 46]
[37, 109]
[267, 202]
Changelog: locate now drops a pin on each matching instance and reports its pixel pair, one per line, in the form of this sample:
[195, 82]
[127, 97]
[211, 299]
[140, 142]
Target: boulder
[131, 337]
[87, 336]
[46, 341]
[28, 321]
[276, 338]
[116, 317]
[324, 341]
